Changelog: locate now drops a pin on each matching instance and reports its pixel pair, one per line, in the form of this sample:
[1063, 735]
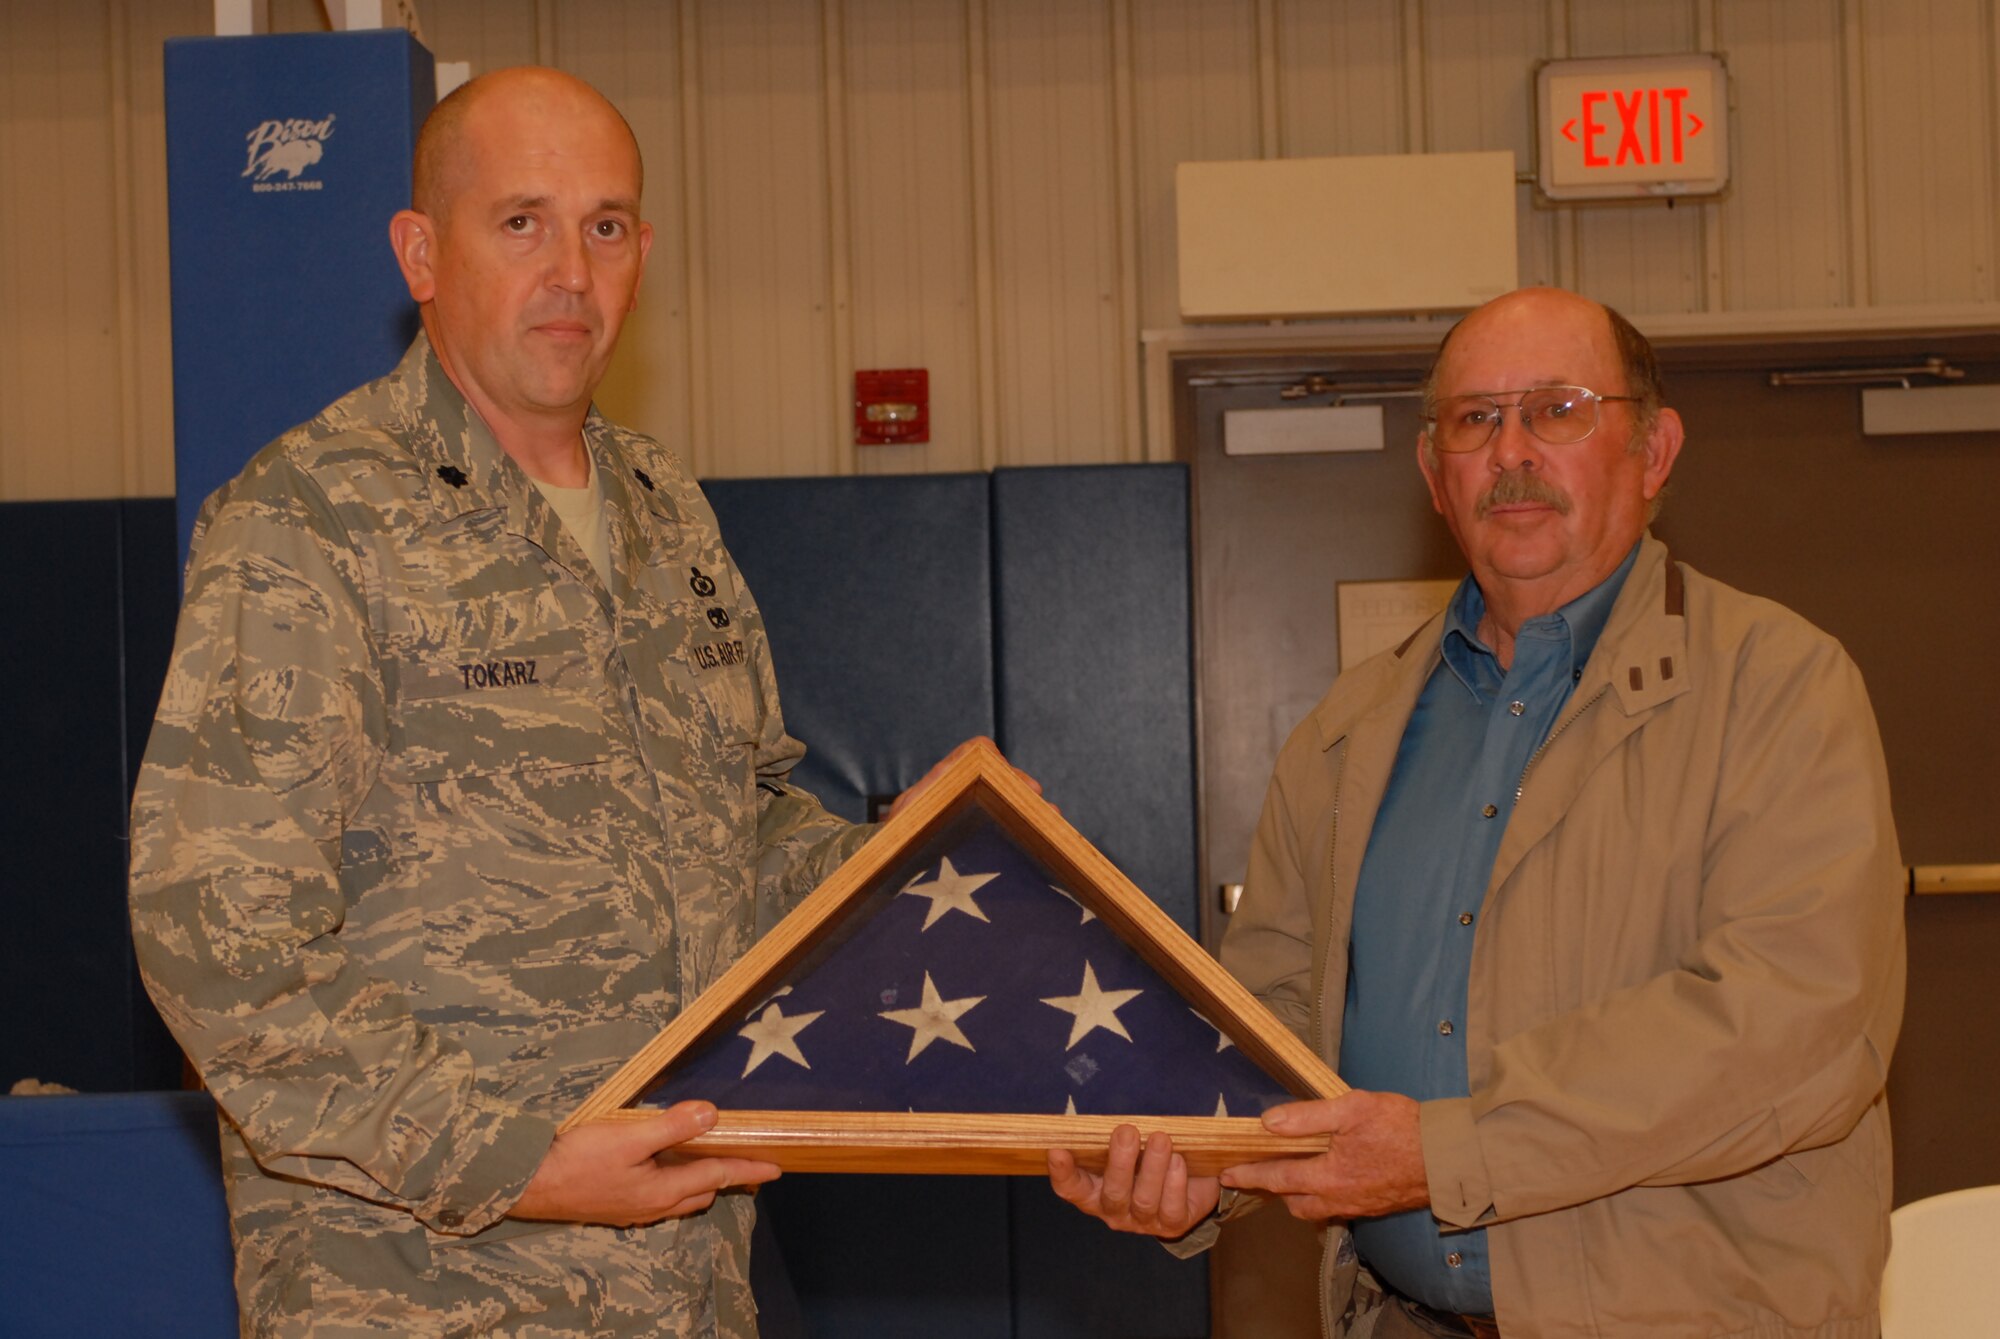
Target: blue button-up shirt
[1423, 879]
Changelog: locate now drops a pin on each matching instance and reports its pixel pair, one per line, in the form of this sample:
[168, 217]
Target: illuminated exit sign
[1632, 127]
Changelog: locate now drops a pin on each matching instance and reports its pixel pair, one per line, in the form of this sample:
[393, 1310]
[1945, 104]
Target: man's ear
[1663, 447]
[1427, 462]
[413, 237]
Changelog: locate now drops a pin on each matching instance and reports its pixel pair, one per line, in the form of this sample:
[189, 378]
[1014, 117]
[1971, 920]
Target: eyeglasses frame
[1499, 417]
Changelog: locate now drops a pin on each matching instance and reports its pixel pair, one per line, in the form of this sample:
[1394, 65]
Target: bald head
[1634, 354]
[1530, 314]
[449, 140]
[525, 254]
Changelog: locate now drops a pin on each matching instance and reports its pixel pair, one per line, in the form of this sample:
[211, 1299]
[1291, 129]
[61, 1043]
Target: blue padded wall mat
[286, 155]
[100, 634]
[149, 607]
[1096, 698]
[1077, 1279]
[880, 595]
[876, 595]
[896, 1257]
[120, 1228]
[1095, 683]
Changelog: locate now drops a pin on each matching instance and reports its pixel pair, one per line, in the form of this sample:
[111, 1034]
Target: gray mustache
[1521, 486]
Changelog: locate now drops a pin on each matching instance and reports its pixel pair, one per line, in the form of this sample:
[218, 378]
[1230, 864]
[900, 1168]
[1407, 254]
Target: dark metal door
[1274, 536]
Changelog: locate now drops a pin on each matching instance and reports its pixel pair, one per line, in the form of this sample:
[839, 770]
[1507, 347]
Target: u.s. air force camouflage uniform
[437, 826]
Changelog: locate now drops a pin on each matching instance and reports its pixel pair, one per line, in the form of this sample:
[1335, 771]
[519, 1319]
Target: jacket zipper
[1541, 748]
[1319, 1037]
[1332, 884]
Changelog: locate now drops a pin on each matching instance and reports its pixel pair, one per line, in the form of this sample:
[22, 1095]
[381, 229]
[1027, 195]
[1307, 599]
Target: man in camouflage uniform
[444, 815]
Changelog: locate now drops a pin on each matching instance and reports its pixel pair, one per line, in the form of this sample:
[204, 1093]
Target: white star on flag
[1222, 1041]
[951, 891]
[777, 994]
[1094, 1008]
[936, 1019]
[1067, 896]
[775, 1034]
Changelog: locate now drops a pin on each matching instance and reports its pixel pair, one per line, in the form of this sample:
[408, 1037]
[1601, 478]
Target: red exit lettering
[1652, 129]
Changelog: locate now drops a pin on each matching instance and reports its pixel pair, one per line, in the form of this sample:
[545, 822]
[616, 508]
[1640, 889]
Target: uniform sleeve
[268, 736]
[1771, 1035]
[1234, 1204]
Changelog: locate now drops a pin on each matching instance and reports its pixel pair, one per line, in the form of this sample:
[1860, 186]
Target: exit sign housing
[1632, 127]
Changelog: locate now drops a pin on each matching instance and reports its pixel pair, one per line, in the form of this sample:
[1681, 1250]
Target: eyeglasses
[1558, 415]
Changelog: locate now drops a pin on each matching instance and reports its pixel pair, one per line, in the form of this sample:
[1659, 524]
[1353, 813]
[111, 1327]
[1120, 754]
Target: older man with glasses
[1591, 890]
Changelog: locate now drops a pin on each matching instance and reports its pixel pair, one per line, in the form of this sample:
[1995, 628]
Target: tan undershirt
[582, 513]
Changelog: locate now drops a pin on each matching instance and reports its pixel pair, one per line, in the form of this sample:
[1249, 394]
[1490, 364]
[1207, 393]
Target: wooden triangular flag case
[975, 986]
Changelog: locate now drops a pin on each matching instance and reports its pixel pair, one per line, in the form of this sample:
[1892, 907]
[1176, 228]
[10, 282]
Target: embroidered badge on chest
[701, 585]
[498, 673]
[453, 475]
[714, 655]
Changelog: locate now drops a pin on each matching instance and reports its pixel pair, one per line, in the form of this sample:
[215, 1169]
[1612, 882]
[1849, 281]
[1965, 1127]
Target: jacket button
[1489, 811]
[1465, 918]
[1444, 1028]
[1454, 1259]
[451, 1217]
[1516, 708]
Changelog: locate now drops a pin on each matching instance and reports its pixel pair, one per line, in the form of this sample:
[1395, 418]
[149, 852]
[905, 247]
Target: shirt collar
[1582, 621]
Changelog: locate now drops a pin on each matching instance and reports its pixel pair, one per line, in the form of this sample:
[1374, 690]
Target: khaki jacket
[437, 826]
[1686, 982]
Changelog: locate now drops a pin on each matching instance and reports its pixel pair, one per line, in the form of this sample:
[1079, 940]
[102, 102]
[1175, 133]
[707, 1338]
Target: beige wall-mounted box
[1304, 237]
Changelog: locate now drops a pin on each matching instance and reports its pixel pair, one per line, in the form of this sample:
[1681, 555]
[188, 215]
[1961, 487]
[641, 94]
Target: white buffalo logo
[290, 159]
[289, 147]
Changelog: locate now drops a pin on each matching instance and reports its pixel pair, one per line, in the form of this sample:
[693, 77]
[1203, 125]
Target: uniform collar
[465, 470]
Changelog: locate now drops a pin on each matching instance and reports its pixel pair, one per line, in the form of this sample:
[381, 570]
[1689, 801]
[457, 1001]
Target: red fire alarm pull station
[892, 405]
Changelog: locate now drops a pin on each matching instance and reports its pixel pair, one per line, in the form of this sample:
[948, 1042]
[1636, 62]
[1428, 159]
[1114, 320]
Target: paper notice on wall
[1377, 615]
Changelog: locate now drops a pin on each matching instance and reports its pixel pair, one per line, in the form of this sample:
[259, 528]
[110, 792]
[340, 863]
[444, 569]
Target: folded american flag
[968, 980]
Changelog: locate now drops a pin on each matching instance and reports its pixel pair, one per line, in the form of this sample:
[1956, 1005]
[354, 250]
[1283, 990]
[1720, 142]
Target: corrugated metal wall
[985, 188]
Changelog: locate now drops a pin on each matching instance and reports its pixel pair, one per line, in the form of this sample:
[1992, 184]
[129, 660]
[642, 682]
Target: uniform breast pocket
[703, 652]
[729, 698]
[496, 713]
[507, 799]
